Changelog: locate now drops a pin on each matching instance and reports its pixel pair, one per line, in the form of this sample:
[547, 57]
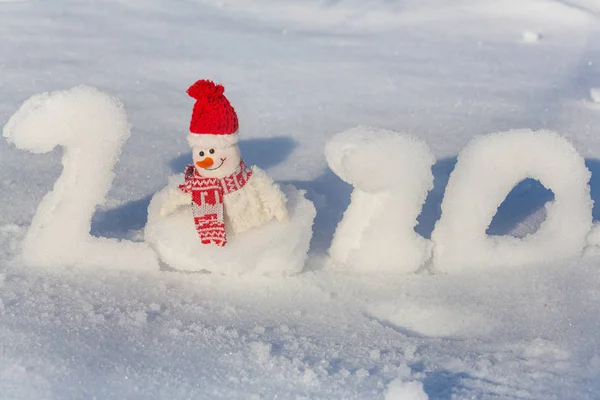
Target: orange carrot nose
[207, 162]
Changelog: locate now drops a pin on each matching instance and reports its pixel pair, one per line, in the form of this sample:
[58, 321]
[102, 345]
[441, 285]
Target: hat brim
[212, 141]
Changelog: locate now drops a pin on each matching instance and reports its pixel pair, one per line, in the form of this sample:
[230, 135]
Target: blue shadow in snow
[447, 385]
[432, 208]
[119, 222]
[593, 165]
[440, 385]
[331, 197]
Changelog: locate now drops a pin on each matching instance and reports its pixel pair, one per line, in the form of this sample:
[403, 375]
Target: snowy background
[298, 73]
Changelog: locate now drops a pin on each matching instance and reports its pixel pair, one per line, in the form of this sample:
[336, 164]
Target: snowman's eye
[212, 151]
[201, 154]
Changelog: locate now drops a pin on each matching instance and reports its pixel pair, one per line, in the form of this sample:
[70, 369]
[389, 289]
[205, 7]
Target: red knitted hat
[214, 122]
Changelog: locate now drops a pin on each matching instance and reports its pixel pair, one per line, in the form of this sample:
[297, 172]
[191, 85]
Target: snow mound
[400, 389]
[433, 320]
[391, 175]
[486, 171]
[274, 249]
[531, 37]
[595, 94]
[92, 128]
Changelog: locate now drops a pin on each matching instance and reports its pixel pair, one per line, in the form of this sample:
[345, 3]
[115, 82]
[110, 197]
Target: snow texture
[531, 37]
[277, 248]
[91, 127]
[399, 389]
[487, 169]
[391, 175]
[431, 319]
[593, 241]
[298, 72]
[595, 94]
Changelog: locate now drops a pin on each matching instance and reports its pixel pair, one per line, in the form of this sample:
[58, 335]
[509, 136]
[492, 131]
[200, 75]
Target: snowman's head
[214, 162]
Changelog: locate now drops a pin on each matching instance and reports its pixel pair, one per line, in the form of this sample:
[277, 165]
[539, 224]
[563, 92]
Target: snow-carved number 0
[92, 128]
[486, 171]
[391, 175]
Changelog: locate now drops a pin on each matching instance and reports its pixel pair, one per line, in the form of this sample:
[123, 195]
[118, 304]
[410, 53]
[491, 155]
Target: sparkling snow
[299, 73]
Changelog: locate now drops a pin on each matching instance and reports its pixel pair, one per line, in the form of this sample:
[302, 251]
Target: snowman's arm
[174, 199]
[272, 198]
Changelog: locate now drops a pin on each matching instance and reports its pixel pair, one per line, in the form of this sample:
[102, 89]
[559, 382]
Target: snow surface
[298, 73]
[531, 37]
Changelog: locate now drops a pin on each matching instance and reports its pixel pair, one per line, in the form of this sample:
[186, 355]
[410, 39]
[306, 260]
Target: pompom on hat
[214, 122]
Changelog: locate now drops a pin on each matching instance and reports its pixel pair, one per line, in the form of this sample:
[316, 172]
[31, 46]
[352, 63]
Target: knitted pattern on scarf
[207, 200]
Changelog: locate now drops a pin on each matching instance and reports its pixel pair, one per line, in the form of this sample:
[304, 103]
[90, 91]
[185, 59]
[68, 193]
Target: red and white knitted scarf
[207, 200]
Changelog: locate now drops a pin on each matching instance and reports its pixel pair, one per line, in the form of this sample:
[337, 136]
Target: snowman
[226, 197]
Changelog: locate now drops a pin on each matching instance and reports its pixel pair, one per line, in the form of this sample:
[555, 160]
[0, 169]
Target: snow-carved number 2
[391, 175]
[92, 128]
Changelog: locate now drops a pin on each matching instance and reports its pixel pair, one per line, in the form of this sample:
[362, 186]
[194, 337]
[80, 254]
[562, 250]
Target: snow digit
[391, 175]
[486, 171]
[92, 128]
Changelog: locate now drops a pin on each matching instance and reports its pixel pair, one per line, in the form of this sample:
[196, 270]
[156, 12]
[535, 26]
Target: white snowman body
[255, 204]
